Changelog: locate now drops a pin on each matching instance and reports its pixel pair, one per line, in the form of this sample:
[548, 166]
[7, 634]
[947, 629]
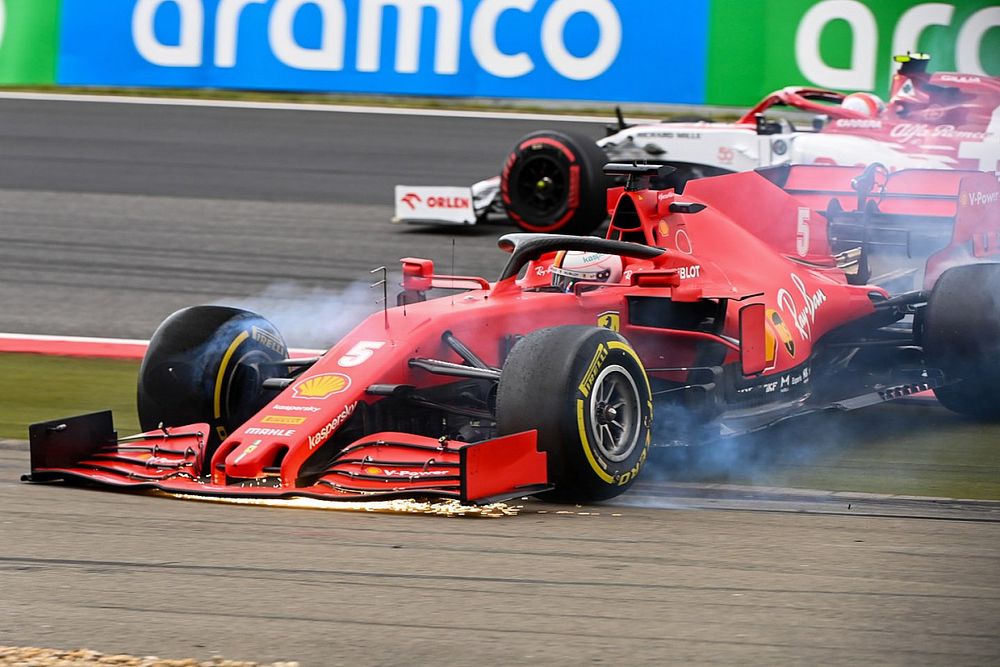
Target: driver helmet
[571, 266]
[867, 104]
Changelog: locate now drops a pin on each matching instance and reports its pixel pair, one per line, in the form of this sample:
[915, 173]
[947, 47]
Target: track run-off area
[116, 214]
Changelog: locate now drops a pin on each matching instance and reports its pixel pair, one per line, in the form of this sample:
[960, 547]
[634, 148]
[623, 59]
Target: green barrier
[29, 41]
[756, 47]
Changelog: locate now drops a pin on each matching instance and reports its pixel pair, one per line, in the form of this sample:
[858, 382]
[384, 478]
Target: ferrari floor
[121, 573]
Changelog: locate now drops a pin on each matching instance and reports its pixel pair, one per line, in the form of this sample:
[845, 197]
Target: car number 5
[360, 353]
[802, 233]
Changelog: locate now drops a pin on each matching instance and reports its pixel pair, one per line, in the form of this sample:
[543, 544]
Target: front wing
[447, 205]
[378, 466]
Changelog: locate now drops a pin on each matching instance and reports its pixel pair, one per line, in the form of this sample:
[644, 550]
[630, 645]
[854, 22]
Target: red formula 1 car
[752, 298]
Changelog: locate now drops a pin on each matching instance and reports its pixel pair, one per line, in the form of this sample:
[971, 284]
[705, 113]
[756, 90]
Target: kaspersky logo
[3, 19]
[411, 199]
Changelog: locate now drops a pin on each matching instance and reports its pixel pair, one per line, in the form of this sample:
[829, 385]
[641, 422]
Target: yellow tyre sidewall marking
[222, 371]
[585, 441]
[582, 424]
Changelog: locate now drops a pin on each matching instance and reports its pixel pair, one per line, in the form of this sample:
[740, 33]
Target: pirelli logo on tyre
[593, 369]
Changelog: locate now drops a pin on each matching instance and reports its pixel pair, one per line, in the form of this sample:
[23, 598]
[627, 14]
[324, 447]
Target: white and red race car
[552, 182]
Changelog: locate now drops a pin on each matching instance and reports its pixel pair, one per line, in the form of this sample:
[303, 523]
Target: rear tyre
[553, 183]
[585, 391]
[962, 337]
[207, 364]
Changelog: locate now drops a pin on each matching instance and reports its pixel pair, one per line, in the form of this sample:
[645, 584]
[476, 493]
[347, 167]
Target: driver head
[572, 266]
[867, 104]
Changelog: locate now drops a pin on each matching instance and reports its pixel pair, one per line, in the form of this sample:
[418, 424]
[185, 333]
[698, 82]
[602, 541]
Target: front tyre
[208, 364]
[961, 336]
[585, 391]
[553, 183]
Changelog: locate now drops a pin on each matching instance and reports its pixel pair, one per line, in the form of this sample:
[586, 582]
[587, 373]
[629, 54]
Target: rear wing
[935, 218]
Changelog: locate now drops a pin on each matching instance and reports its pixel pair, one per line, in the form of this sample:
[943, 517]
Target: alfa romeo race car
[750, 299]
[552, 182]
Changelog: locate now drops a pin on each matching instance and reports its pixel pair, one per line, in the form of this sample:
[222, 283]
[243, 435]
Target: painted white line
[72, 339]
[291, 106]
[86, 346]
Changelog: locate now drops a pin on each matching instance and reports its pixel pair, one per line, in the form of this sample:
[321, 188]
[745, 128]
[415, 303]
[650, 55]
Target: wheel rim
[240, 398]
[542, 185]
[615, 413]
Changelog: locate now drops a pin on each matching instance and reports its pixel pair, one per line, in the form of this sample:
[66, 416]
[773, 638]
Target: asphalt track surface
[114, 216]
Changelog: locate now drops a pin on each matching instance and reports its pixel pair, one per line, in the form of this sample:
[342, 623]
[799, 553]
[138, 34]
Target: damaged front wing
[378, 466]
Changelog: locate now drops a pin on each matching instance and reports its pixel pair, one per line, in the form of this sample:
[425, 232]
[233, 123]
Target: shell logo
[321, 386]
[783, 333]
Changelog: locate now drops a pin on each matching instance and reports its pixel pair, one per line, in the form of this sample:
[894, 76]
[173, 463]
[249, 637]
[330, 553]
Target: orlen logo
[501, 60]
[411, 199]
[321, 386]
[447, 202]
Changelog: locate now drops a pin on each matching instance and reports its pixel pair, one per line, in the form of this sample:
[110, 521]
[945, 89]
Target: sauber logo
[411, 199]
[960, 79]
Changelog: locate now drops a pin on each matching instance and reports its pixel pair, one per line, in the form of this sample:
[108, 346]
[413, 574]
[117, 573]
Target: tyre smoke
[314, 317]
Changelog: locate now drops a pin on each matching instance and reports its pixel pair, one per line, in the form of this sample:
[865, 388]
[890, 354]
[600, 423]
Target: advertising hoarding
[624, 50]
[28, 41]
[756, 47]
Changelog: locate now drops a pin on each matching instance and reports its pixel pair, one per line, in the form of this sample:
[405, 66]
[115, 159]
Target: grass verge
[906, 449]
[39, 388]
[919, 449]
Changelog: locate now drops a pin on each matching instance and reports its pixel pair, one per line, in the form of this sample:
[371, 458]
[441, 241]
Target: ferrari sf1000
[751, 298]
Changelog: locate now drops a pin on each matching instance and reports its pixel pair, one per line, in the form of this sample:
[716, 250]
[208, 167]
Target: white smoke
[314, 317]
